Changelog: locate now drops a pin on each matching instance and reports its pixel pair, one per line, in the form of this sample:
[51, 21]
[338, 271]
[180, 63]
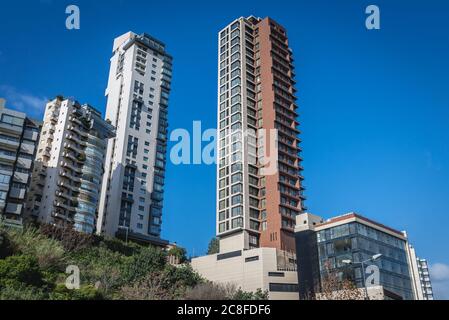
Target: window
[12, 120]
[237, 211]
[237, 199]
[237, 188]
[237, 223]
[235, 81]
[4, 179]
[236, 167]
[283, 287]
[236, 177]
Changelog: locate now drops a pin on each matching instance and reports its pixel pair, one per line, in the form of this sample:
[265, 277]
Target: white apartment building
[419, 269]
[137, 102]
[68, 168]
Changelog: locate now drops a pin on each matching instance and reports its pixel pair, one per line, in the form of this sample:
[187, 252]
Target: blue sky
[374, 105]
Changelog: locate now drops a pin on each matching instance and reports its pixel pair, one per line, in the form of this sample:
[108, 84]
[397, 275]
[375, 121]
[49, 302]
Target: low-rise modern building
[268, 269]
[350, 245]
[419, 269]
[18, 138]
[69, 165]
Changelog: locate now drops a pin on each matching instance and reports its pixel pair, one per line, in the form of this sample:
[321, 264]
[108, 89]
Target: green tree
[214, 246]
[244, 295]
[148, 260]
[178, 252]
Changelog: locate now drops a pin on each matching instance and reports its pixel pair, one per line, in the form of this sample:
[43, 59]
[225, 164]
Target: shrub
[70, 239]
[148, 260]
[48, 252]
[153, 286]
[244, 295]
[6, 247]
[22, 292]
[98, 264]
[211, 291]
[85, 292]
[16, 271]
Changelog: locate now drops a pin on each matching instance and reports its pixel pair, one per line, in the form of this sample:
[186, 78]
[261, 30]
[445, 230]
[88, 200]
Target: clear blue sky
[374, 105]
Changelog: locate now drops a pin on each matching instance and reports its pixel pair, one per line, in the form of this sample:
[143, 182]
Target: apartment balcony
[9, 128]
[60, 204]
[27, 148]
[62, 194]
[73, 146]
[17, 193]
[71, 167]
[7, 158]
[21, 177]
[67, 185]
[69, 176]
[75, 139]
[79, 159]
[24, 162]
[75, 120]
[31, 135]
[10, 144]
[77, 130]
[60, 215]
[15, 223]
[14, 208]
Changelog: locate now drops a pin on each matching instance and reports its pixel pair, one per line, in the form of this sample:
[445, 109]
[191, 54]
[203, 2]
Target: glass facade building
[357, 242]
[341, 245]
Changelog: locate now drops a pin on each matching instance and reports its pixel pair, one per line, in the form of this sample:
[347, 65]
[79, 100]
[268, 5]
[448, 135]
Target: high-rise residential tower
[19, 136]
[68, 169]
[137, 103]
[259, 182]
[419, 269]
[258, 129]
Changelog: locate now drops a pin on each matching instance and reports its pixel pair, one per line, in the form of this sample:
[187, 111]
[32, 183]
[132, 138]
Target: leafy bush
[6, 247]
[244, 295]
[16, 271]
[33, 263]
[86, 292]
[48, 252]
[70, 239]
[211, 291]
[22, 292]
[147, 261]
